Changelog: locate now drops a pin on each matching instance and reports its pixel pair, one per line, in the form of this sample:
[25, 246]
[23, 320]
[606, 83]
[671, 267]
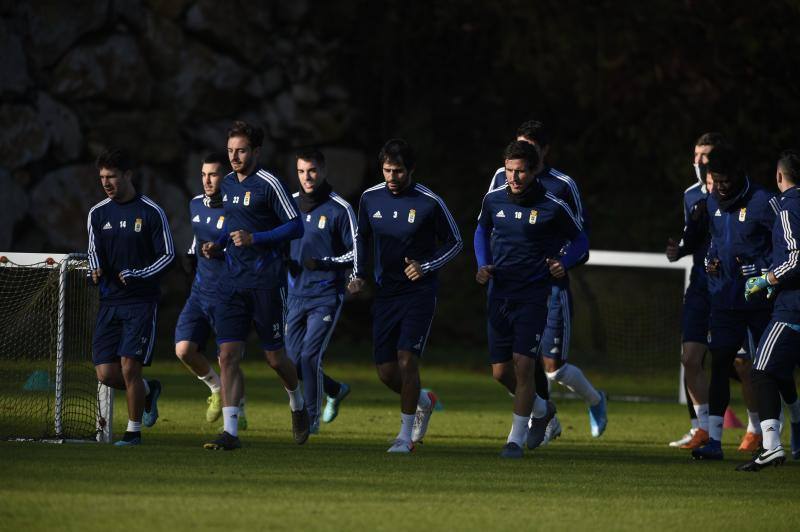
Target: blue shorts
[778, 350]
[236, 308]
[401, 323]
[196, 321]
[732, 329]
[125, 331]
[695, 317]
[516, 327]
[557, 330]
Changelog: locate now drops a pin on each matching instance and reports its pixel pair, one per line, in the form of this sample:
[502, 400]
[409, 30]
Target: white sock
[753, 423]
[519, 430]
[146, 387]
[424, 401]
[702, 416]
[715, 427]
[134, 426]
[695, 424]
[212, 380]
[406, 426]
[230, 419]
[539, 407]
[772, 436]
[574, 379]
[794, 411]
[295, 399]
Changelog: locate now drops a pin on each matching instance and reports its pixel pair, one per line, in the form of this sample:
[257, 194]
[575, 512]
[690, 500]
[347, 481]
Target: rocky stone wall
[163, 78]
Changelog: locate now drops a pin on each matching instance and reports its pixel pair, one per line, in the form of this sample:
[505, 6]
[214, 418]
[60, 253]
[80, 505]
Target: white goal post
[65, 264]
[632, 259]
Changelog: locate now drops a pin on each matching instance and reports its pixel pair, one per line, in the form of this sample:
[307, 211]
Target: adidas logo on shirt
[377, 215]
[717, 213]
[501, 214]
[196, 218]
[107, 226]
[327, 318]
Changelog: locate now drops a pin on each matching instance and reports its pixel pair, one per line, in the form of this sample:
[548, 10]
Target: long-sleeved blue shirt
[132, 239]
[260, 205]
[741, 239]
[517, 240]
[695, 239]
[566, 189]
[786, 257]
[207, 224]
[330, 232]
[405, 225]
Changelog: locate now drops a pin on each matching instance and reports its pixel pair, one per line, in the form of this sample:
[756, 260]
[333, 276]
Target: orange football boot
[699, 439]
[750, 443]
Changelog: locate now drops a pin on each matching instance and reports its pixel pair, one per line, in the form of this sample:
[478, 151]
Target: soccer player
[404, 220]
[521, 230]
[779, 348]
[260, 220]
[556, 339]
[696, 302]
[196, 319]
[741, 215]
[130, 248]
[317, 267]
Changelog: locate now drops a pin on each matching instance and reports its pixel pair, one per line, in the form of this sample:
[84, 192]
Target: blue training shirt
[207, 224]
[517, 240]
[260, 205]
[786, 257]
[696, 238]
[328, 237]
[132, 239]
[405, 225]
[741, 239]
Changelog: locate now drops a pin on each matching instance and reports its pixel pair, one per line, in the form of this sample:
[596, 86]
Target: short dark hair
[311, 154]
[789, 164]
[522, 150]
[536, 131]
[114, 158]
[398, 151]
[725, 160]
[254, 134]
[712, 138]
[215, 157]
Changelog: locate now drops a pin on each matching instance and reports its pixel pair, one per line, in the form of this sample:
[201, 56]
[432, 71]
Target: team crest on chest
[412, 215]
[246, 198]
[532, 218]
[742, 214]
[220, 222]
[137, 226]
[322, 220]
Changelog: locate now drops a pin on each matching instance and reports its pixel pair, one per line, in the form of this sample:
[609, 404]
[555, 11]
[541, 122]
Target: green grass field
[342, 479]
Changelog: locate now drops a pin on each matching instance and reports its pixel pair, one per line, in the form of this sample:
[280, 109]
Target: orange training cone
[730, 421]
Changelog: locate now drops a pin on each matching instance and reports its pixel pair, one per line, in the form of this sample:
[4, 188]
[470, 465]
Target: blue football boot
[598, 417]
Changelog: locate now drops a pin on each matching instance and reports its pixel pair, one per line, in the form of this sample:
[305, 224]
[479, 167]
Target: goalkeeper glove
[757, 284]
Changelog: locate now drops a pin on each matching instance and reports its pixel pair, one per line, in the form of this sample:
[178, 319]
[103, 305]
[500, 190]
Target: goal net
[48, 387]
[627, 323]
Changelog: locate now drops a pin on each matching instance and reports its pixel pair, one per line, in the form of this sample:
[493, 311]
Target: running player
[779, 348]
[317, 267]
[404, 220]
[195, 322]
[741, 215]
[521, 231]
[260, 219]
[556, 339]
[130, 248]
